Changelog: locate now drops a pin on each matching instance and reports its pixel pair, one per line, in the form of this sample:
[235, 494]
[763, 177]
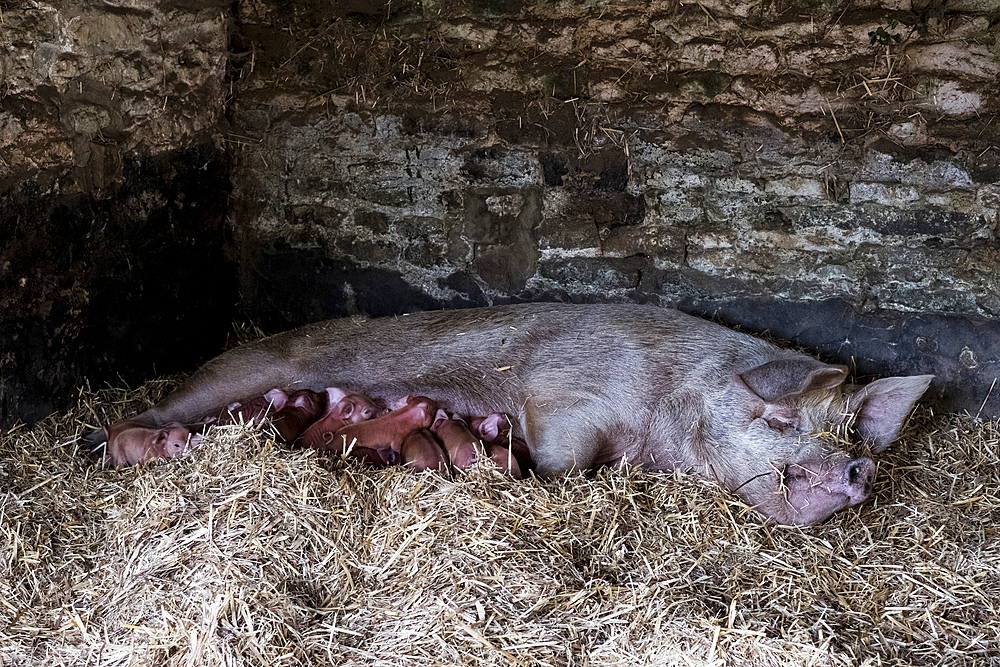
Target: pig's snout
[811, 491]
[859, 479]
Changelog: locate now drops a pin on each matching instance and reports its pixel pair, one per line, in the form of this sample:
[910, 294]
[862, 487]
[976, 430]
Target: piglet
[421, 451]
[129, 443]
[342, 409]
[466, 446]
[382, 433]
[302, 409]
[462, 446]
[254, 411]
[352, 408]
[283, 411]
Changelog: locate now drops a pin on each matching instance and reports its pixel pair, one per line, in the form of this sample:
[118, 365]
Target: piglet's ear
[489, 429]
[278, 399]
[784, 378]
[881, 407]
[334, 396]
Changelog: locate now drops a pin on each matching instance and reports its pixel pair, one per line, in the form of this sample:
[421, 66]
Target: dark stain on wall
[112, 286]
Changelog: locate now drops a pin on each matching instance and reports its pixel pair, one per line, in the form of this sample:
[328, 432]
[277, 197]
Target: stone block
[954, 58]
[594, 273]
[887, 194]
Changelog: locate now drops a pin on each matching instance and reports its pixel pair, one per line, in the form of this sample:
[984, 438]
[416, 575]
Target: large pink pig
[598, 384]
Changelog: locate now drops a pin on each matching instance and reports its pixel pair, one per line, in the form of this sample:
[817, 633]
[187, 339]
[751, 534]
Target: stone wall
[114, 184]
[825, 171]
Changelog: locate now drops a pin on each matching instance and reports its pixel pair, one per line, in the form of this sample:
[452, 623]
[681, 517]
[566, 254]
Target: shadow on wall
[963, 352]
[112, 286]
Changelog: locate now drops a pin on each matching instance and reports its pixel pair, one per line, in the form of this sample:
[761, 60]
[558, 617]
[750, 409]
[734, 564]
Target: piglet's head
[309, 402]
[352, 408]
[775, 447]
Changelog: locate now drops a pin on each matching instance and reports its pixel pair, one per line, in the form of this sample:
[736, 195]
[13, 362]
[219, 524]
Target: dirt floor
[245, 553]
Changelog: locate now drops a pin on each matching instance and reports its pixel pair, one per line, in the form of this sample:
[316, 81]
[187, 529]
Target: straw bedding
[245, 553]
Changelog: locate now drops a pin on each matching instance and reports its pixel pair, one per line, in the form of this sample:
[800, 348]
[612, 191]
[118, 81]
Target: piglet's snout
[859, 478]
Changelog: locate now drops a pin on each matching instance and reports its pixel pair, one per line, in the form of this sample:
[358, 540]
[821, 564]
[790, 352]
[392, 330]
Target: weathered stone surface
[655, 152]
[387, 156]
[86, 85]
[113, 194]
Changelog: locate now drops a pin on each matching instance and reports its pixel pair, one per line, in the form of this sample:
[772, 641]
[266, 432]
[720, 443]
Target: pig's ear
[784, 378]
[334, 396]
[881, 407]
[278, 399]
[489, 429]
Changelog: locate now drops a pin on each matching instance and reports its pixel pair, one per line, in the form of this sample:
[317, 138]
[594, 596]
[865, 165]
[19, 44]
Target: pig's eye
[795, 475]
[367, 413]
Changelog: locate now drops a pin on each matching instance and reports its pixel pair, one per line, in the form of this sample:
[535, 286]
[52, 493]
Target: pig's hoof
[95, 439]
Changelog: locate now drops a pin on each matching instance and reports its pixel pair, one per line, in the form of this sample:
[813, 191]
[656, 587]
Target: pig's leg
[248, 370]
[420, 451]
[560, 440]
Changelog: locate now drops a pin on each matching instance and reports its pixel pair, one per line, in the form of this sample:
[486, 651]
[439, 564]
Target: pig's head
[352, 408]
[309, 402]
[491, 427]
[775, 446]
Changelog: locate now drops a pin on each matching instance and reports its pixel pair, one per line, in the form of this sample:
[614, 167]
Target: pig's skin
[462, 446]
[343, 409]
[286, 412]
[495, 432]
[351, 408]
[420, 451]
[302, 408]
[254, 411]
[377, 458]
[595, 384]
[385, 432]
[505, 460]
[465, 447]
